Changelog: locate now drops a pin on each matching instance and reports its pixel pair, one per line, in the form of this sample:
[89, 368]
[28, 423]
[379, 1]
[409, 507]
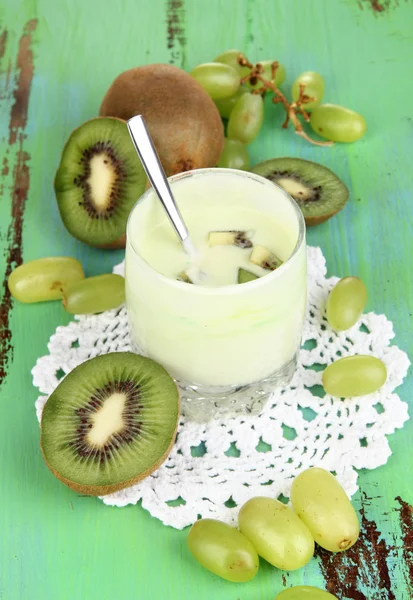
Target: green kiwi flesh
[245, 276]
[98, 181]
[318, 191]
[110, 423]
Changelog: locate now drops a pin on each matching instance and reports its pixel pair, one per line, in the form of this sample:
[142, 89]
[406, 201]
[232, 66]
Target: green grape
[354, 376]
[95, 294]
[314, 87]
[322, 504]
[225, 105]
[230, 57]
[246, 118]
[217, 79]
[223, 550]
[346, 303]
[305, 592]
[44, 278]
[276, 533]
[234, 156]
[337, 123]
[267, 74]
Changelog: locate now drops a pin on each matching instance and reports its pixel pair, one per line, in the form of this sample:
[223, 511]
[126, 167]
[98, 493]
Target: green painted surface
[55, 544]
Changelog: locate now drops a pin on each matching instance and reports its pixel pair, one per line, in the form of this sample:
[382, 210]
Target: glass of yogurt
[231, 338]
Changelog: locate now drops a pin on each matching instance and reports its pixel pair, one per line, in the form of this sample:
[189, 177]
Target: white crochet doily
[215, 467]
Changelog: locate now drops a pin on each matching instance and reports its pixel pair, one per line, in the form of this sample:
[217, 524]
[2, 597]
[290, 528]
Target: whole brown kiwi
[183, 121]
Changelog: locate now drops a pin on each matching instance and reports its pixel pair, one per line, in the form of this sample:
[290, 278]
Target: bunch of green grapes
[236, 102]
[285, 537]
[237, 88]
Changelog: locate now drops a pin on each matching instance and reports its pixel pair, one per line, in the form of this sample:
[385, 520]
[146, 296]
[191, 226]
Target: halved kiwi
[110, 423]
[99, 179]
[318, 191]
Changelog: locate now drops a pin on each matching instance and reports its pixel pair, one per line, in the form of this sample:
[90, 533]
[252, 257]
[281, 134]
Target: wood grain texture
[55, 544]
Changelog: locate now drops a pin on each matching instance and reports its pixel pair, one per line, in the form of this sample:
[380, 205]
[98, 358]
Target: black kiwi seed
[129, 411]
[311, 194]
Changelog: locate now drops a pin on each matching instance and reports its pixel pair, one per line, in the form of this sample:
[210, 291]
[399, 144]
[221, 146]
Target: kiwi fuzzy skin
[182, 119]
[103, 490]
[312, 221]
[116, 245]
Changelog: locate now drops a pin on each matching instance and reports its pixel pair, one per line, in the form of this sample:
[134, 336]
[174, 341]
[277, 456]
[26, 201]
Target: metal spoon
[156, 175]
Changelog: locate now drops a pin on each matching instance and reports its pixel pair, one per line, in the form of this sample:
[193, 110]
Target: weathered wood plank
[56, 61]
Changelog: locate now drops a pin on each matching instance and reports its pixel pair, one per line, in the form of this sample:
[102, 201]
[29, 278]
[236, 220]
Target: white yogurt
[219, 333]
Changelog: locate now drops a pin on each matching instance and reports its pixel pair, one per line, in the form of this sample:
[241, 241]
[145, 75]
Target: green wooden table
[57, 59]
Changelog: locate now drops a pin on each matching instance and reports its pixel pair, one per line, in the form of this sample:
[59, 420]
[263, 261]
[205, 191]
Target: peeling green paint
[54, 544]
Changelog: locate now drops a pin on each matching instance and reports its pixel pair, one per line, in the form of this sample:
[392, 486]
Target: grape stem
[292, 109]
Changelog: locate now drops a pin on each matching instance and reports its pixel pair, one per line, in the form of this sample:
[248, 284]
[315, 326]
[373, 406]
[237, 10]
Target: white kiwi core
[101, 180]
[108, 420]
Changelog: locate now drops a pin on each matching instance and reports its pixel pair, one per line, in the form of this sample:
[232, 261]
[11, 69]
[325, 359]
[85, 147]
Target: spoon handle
[152, 165]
